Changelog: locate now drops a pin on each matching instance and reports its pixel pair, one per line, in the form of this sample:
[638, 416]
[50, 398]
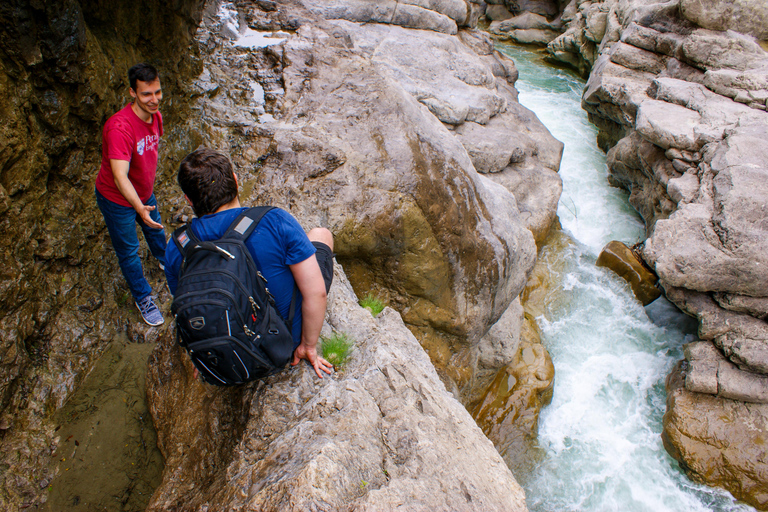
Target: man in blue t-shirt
[284, 254]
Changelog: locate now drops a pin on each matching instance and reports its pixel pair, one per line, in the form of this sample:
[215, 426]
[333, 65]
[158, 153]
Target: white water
[601, 435]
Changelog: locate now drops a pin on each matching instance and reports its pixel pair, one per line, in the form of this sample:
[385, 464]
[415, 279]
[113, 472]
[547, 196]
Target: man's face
[148, 95]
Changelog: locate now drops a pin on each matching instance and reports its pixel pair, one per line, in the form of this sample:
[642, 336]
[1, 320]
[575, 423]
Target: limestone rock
[708, 371]
[720, 237]
[741, 337]
[623, 260]
[753, 306]
[744, 16]
[718, 441]
[62, 299]
[527, 28]
[382, 434]
[438, 15]
[369, 141]
[668, 125]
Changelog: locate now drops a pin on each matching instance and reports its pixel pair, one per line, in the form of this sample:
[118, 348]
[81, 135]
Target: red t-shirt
[127, 137]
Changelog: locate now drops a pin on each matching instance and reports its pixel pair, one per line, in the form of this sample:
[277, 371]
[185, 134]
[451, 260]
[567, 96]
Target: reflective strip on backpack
[243, 225]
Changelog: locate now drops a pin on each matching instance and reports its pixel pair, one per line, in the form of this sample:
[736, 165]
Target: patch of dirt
[107, 458]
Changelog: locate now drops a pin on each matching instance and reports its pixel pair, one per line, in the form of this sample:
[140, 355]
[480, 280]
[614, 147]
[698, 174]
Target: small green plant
[336, 348]
[372, 304]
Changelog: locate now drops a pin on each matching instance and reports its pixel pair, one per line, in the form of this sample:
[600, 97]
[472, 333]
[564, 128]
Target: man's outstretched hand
[310, 354]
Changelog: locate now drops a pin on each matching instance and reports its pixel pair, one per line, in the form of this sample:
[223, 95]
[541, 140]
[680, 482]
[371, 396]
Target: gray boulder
[744, 16]
[438, 15]
[717, 243]
[708, 371]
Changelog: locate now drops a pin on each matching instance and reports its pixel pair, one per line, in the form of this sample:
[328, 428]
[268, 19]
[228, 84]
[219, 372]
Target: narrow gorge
[397, 125]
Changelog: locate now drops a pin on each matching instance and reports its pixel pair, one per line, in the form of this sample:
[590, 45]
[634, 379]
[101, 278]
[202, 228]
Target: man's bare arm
[314, 300]
[120, 170]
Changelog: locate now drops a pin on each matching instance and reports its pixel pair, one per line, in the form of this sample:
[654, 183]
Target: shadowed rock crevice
[61, 302]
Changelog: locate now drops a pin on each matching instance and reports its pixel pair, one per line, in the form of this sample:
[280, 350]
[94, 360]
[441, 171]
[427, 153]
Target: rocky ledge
[679, 90]
[381, 434]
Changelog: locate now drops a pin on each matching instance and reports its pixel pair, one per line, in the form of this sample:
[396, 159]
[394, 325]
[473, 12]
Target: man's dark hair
[143, 72]
[207, 179]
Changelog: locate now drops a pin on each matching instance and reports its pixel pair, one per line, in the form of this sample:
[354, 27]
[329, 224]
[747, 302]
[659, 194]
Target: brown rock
[623, 260]
[717, 441]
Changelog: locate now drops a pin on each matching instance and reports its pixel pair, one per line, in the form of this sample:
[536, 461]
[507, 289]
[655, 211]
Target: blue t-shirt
[278, 241]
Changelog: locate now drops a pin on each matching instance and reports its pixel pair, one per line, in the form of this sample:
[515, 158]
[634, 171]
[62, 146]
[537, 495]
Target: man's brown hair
[207, 179]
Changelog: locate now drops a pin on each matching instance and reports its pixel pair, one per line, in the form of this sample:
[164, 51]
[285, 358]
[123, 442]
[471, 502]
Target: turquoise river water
[601, 435]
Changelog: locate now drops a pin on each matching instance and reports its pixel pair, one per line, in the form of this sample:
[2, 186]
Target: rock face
[63, 68]
[382, 434]
[716, 452]
[375, 130]
[378, 132]
[678, 90]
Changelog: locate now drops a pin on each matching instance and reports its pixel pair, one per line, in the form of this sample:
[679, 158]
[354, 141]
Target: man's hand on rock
[310, 354]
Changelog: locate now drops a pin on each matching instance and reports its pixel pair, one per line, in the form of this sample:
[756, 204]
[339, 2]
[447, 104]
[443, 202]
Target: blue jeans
[121, 223]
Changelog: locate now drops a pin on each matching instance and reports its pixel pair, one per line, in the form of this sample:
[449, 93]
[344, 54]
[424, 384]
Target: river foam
[601, 435]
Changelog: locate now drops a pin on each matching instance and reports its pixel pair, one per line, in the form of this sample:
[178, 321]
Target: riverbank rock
[678, 91]
[381, 434]
[527, 28]
[718, 441]
[708, 371]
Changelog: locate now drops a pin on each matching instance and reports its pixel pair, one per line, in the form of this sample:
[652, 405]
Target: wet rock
[623, 260]
[61, 297]
[384, 433]
[108, 447]
[508, 413]
[718, 441]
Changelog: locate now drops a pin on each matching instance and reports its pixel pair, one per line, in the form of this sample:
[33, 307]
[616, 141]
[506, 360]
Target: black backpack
[225, 316]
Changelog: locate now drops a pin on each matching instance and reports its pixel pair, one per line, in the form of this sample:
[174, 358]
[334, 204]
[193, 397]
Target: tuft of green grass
[372, 304]
[336, 348]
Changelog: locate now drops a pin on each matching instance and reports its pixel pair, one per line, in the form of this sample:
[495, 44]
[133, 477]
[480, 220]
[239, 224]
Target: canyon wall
[679, 91]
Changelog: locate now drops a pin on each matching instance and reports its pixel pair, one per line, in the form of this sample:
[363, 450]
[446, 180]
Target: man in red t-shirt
[124, 185]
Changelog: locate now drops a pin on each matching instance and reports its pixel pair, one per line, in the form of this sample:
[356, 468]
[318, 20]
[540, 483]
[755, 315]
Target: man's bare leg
[321, 235]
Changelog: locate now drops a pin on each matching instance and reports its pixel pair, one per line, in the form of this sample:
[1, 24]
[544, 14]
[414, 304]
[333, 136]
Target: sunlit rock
[623, 260]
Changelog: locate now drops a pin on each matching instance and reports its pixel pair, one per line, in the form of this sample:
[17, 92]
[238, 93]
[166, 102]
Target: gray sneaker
[149, 311]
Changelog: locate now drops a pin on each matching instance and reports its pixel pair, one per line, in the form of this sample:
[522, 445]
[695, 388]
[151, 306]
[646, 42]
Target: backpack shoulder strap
[242, 227]
[182, 237]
